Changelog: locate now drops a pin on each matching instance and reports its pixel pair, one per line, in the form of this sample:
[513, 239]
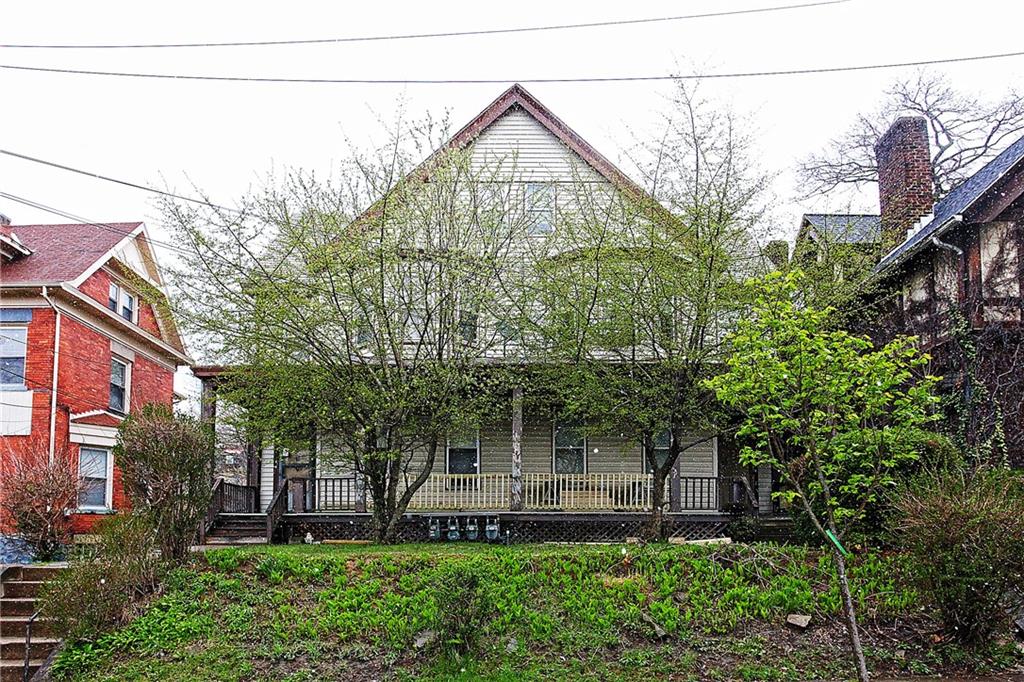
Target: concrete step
[14, 626]
[22, 588]
[236, 540]
[13, 648]
[13, 606]
[12, 671]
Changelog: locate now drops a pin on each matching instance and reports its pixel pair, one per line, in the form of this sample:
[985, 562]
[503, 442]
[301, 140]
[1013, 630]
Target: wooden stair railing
[276, 509]
[212, 509]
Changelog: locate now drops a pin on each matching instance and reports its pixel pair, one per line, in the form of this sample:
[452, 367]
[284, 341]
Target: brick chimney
[905, 182]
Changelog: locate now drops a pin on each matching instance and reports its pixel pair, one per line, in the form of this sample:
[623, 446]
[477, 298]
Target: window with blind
[93, 475]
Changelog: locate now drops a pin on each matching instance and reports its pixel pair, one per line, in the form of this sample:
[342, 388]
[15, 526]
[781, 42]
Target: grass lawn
[541, 612]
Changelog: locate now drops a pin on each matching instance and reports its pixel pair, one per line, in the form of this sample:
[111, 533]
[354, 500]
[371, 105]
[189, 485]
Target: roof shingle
[60, 253]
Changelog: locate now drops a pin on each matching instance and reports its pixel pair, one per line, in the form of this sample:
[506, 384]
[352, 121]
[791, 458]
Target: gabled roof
[518, 96]
[844, 228]
[62, 253]
[959, 201]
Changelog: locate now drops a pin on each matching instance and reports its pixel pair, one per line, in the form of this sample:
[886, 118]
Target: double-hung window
[570, 455]
[121, 302]
[120, 382]
[540, 208]
[13, 343]
[464, 453]
[94, 466]
[660, 444]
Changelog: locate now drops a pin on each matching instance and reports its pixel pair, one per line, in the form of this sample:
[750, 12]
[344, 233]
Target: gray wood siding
[516, 141]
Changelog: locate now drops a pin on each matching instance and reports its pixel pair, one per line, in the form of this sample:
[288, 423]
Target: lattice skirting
[516, 527]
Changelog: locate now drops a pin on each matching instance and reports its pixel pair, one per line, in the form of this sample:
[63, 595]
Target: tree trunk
[851, 616]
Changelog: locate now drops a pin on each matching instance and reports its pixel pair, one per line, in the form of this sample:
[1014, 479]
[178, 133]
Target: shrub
[38, 491]
[165, 462]
[463, 607]
[965, 531]
[99, 592]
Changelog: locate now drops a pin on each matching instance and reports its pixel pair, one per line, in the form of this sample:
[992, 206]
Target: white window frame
[448, 447]
[22, 383]
[108, 491]
[123, 295]
[127, 384]
[548, 187]
[554, 448]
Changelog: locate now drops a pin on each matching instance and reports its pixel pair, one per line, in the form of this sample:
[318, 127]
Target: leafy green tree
[360, 316]
[640, 291]
[828, 411]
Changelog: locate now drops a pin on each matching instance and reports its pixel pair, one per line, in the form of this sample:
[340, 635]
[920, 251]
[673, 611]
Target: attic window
[540, 208]
[121, 302]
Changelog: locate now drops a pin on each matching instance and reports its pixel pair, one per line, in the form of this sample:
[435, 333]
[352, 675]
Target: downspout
[53, 380]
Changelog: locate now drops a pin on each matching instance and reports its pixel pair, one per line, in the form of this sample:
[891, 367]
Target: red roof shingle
[60, 253]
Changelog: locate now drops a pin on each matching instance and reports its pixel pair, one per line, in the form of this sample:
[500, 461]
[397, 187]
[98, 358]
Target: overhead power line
[445, 34]
[126, 183]
[494, 81]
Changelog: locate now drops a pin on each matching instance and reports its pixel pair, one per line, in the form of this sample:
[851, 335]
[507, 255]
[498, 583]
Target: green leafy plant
[827, 410]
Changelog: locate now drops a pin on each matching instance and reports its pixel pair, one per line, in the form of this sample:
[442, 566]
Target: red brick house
[85, 338]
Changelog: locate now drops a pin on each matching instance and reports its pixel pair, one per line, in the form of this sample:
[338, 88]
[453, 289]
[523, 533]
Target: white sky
[226, 137]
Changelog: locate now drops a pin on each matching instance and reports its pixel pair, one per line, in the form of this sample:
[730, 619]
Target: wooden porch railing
[541, 492]
[588, 492]
[212, 509]
[276, 509]
[239, 499]
[464, 491]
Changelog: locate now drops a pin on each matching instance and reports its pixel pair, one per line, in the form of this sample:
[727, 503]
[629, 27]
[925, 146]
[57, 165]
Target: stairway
[19, 589]
[238, 529]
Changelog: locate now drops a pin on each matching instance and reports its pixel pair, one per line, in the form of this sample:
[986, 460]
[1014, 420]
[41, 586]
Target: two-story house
[85, 339]
[950, 272]
[537, 474]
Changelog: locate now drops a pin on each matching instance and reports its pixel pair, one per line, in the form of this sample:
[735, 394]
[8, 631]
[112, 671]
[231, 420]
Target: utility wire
[126, 183]
[494, 81]
[445, 34]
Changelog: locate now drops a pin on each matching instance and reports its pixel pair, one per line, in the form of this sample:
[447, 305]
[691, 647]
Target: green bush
[965, 532]
[99, 592]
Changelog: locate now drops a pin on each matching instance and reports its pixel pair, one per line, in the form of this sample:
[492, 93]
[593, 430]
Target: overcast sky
[226, 137]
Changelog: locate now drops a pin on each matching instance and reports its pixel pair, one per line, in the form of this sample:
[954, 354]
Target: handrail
[212, 509]
[276, 509]
[28, 644]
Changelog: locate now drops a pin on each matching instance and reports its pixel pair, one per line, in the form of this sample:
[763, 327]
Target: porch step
[32, 573]
[14, 626]
[13, 671]
[13, 648]
[22, 588]
[15, 606]
[236, 540]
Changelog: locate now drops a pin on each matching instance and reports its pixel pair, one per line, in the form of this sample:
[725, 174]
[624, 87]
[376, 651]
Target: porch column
[360, 484]
[208, 414]
[517, 449]
[675, 502]
[764, 489]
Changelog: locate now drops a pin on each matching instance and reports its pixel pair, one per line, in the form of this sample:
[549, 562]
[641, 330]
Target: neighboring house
[838, 236]
[952, 274]
[564, 472]
[85, 338]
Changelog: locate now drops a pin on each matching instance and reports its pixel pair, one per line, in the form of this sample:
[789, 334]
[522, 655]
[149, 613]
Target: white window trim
[22, 385]
[122, 294]
[448, 446]
[108, 493]
[127, 384]
[554, 450]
